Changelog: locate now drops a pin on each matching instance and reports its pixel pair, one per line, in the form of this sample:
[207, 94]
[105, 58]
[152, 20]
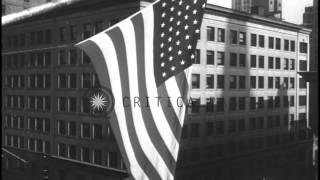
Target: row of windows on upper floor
[69, 104]
[242, 125]
[255, 61]
[63, 127]
[256, 40]
[71, 151]
[234, 104]
[219, 150]
[240, 82]
[44, 59]
[63, 34]
[43, 81]
[70, 57]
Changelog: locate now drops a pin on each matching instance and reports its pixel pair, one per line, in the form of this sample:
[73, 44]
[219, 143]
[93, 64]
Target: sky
[292, 9]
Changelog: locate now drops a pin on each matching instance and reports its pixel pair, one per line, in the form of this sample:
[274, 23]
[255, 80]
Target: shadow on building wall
[260, 141]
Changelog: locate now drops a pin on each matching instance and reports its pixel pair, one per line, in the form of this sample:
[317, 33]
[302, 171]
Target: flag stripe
[153, 131]
[162, 123]
[118, 41]
[147, 146]
[100, 66]
[111, 59]
[183, 85]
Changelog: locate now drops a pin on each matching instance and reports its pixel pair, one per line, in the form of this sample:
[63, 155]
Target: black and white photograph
[159, 90]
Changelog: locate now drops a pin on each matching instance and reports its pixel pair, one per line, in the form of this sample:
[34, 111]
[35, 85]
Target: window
[220, 127]
[261, 61]
[292, 64]
[292, 83]
[285, 101]
[233, 59]
[87, 31]
[285, 82]
[61, 150]
[48, 35]
[221, 35]
[261, 41]
[72, 128]
[220, 58]
[72, 106]
[195, 130]
[270, 102]
[61, 127]
[85, 154]
[209, 104]
[62, 102]
[196, 60]
[242, 82]
[261, 82]
[278, 63]
[260, 103]
[303, 47]
[270, 62]
[72, 152]
[210, 81]
[232, 81]
[209, 128]
[195, 106]
[291, 101]
[277, 82]
[63, 33]
[72, 56]
[32, 38]
[302, 100]
[85, 58]
[252, 103]
[210, 33]
[242, 38]
[242, 60]
[271, 42]
[242, 103]
[113, 162]
[195, 81]
[286, 45]
[253, 82]
[85, 130]
[292, 46]
[278, 43]
[277, 101]
[253, 61]
[233, 104]
[232, 126]
[210, 57]
[97, 131]
[234, 37]
[73, 32]
[97, 158]
[270, 82]
[252, 124]
[40, 37]
[62, 81]
[241, 125]
[303, 65]
[302, 83]
[86, 80]
[220, 82]
[220, 104]
[62, 57]
[98, 27]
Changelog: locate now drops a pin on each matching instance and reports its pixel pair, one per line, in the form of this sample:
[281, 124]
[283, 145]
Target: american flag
[145, 60]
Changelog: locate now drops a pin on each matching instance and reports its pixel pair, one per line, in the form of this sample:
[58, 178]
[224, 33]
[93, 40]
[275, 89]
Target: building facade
[267, 8]
[246, 92]
[12, 6]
